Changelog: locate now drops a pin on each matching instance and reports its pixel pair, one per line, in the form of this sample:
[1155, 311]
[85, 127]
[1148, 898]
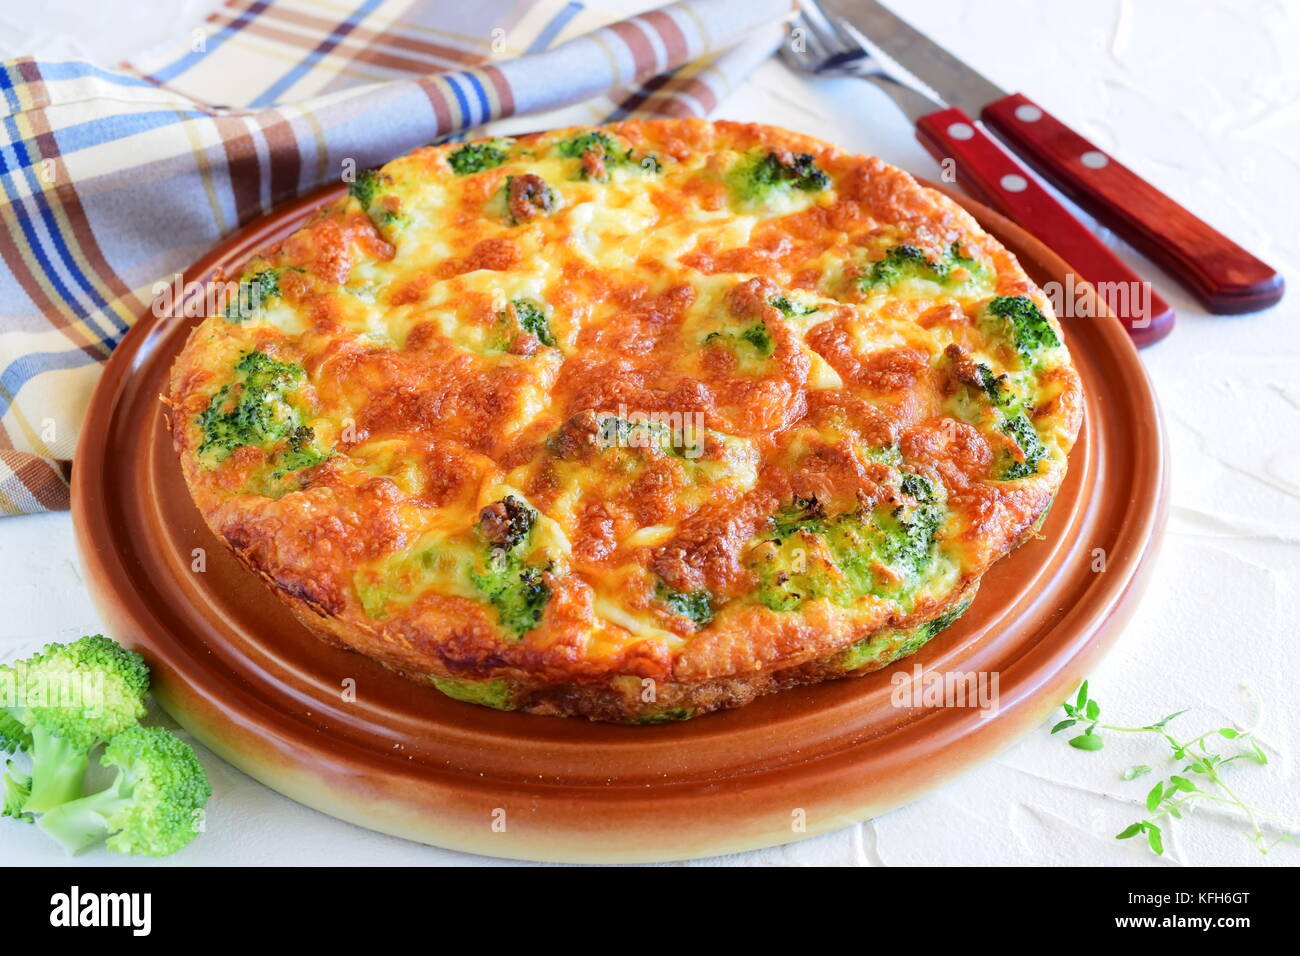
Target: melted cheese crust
[735, 332]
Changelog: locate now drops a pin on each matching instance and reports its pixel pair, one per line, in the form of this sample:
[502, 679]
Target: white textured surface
[1203, 98]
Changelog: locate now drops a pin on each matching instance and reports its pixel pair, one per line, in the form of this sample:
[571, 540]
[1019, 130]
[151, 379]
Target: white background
[1202, 97]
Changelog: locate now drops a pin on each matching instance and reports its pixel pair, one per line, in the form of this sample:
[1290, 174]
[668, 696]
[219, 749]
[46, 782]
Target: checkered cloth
[115, 180]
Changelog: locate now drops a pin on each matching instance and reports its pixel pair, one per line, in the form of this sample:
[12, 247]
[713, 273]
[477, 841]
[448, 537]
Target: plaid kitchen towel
[114, 180]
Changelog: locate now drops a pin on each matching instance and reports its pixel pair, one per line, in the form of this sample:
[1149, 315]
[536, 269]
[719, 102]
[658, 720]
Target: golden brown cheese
[633, 422]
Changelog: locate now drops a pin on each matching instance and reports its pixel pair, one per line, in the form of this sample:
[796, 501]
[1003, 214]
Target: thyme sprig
[1201, 778]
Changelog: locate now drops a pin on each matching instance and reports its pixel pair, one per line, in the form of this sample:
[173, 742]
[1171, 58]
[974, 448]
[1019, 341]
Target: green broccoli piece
[608, 150]
[17, 791]
[252, 410]
[533, 320]
[300, 453]
[517, 590]
[909, 262]
[71, 698]
[254, 291]
[945, 620]
[812, 554]
[591, 142]
[666, 715]
[1022, 431]
[13, 735]
[756, 335]
[969, 263]
[364, 187]
[886, 647]
[476, 157]
[757, 178]
[695, 605]
[899, 263]
[496, 694]
[759, 337]
[152, 808]
[799, 514]
[994, 386]
[617, 432]
[789, 309]
[1023, 323]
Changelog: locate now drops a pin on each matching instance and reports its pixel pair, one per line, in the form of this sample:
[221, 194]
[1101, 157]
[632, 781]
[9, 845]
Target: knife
[1222, 275]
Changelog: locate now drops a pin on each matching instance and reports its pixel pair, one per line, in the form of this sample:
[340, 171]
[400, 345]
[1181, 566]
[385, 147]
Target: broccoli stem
[83, 822]
[58, 771]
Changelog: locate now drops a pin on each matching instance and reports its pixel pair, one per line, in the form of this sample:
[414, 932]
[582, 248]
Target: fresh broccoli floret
[517, 590]
[696, 605]
[70, 698]
[17, 791]
[364, 187]
[1022, 431]
[152, 808]
[757, 178]
[253, 292]
[1023, 323]
[252, 410]
[13, 735]
[476, 157]
[845, 557]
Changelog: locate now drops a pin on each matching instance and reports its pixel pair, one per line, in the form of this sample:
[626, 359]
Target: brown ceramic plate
[234, 667]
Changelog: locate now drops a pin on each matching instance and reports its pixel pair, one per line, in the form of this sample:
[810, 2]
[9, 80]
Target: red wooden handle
[1221, 274]
[993, 176]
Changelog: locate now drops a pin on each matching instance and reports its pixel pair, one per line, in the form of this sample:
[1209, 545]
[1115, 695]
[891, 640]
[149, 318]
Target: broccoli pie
[633, 422]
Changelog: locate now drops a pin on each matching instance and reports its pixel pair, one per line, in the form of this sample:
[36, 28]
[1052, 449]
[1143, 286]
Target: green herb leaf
[1153, 839]
[1154, 797]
